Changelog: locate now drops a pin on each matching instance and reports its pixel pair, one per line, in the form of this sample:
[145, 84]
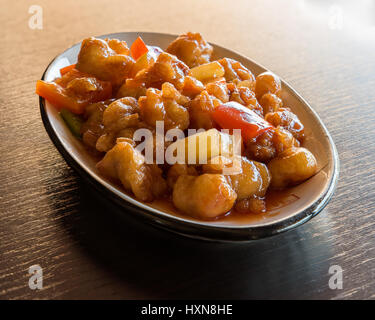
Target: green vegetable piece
[73, 121]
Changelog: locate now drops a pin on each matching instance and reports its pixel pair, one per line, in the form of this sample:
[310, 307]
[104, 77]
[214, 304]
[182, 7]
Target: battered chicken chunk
[253, 181]
[250, 185]
[191, 48]
[234, 70]
[246, 97]
[206, 196]
[219, 90]
[120, 47]
[165, 105]
[120, 114]
[178, 170]
[127, 164]
[292, 167]
[270, 103]
[261, 148]
[92, 128]
[267, 82]
[200, 110]
[105, 59]
[288, 120]
[167, 68]
[192, 87]
[269, 144]
[282, 140]
[132, 88]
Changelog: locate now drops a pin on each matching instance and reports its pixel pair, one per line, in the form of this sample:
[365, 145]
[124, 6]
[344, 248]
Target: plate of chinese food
[188, 136]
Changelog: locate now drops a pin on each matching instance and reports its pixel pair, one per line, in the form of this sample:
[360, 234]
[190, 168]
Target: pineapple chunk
[207, 72]
[202, 146]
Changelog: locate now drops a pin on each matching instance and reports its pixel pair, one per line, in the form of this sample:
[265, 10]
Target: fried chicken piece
[270, 103]
[267, 82]
[292, 167]
[105, 59]
[200, 110]
[283, 140]
[165, 105]
[119, 115]
[288, 120]
[178, 170]
[269, 144]
[192, 87]
[246, 97]
[253, 181]
[93, 128]
[250, 185]
[234, 70]
[261, 148]
[206, 196]
[132, 88]
[125, 163]
[191, 48]
[167, 68]
[120, 47]
[219, 90]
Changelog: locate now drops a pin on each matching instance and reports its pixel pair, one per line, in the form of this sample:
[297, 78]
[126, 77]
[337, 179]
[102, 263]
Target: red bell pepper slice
[138, 48]
[232, 115]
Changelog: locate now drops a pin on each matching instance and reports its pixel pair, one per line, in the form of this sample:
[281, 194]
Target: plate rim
[191, 228]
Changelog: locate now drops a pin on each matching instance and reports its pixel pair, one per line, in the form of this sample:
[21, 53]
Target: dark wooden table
[49, 217]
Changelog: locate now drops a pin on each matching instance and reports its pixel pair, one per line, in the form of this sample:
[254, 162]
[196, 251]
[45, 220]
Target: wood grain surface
[48, 216]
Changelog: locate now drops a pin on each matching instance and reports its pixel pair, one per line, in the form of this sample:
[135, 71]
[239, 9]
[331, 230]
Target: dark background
[48, 216]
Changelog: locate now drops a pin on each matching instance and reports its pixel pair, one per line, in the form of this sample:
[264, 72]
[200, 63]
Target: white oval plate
[312, 195]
